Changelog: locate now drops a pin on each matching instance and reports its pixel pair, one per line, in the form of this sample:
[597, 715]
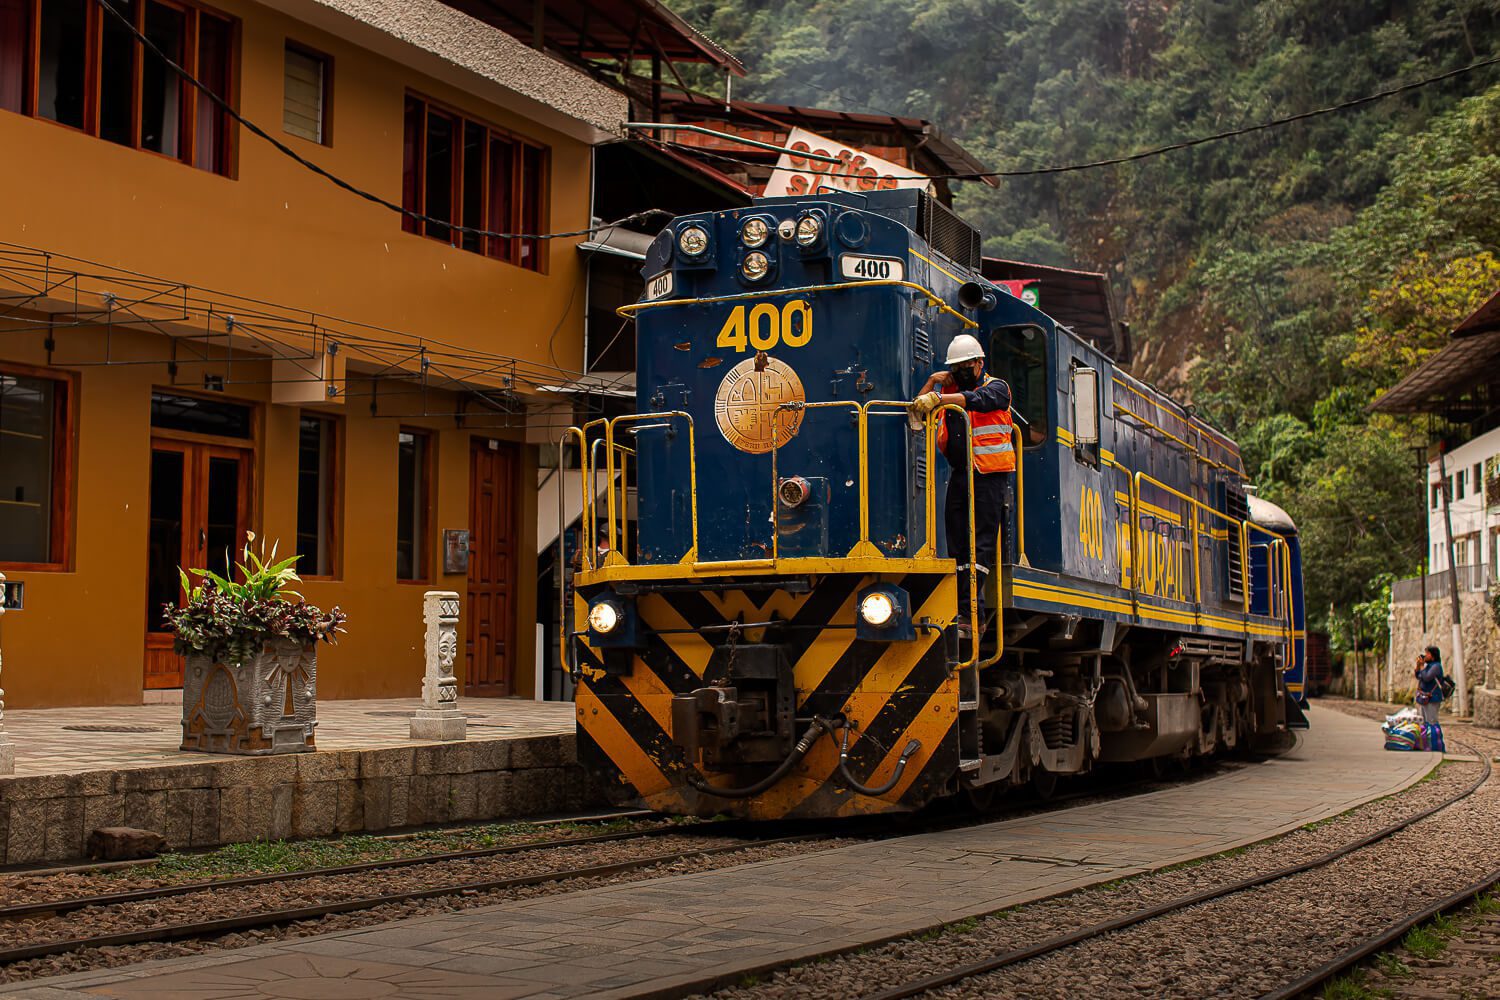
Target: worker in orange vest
[987, 400]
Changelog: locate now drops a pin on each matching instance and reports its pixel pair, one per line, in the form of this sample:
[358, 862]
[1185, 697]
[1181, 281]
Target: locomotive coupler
[744, 713]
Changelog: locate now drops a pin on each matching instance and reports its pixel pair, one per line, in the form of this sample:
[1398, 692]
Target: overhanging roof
[616, 30]
[932, 151]
[1436, 383]
[1471, 359]
[1079, 300]
[445, 42]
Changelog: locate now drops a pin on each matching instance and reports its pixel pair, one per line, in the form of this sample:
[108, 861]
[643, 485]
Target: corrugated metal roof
[1466, 362]
[1470, 360]
[1079, 300]
[605, 29]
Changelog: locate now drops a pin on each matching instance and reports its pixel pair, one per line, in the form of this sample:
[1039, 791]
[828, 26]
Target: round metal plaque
[746, 405]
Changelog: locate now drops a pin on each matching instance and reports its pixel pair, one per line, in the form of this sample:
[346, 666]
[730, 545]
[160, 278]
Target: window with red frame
[74, 63]
[460, 172]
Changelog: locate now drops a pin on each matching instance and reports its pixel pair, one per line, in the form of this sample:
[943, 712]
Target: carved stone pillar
[7, 748]
[439, 717]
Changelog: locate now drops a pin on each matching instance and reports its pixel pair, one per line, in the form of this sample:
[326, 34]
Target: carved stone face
[447, 648]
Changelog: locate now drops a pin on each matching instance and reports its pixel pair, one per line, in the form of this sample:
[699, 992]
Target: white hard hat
[964, 348]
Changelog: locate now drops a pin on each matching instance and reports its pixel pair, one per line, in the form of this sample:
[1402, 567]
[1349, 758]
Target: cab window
[1018, 354]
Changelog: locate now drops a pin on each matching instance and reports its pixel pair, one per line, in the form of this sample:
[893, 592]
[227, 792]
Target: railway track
[20, 913]
[117, 906]
[1060, 943]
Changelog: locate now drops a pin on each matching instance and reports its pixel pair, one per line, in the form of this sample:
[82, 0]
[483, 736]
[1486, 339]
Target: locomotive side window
[1018, 354]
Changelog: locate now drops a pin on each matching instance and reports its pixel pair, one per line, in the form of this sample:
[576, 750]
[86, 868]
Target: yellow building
[199, 335]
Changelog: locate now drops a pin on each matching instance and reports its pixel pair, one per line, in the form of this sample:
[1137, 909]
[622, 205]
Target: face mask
[966, 377]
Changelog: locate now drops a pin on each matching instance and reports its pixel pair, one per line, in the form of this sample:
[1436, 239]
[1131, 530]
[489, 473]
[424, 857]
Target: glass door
[200, 508]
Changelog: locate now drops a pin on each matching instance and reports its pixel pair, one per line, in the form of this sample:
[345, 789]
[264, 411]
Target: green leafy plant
[231, 620]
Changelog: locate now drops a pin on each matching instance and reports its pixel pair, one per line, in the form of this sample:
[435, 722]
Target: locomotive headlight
[877, 608]
[755, 266]
[604, 617]
[809, 230]
[693, 241]
[755, 232]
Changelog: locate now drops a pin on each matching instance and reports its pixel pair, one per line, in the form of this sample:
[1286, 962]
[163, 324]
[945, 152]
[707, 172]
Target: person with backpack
[1432, 684]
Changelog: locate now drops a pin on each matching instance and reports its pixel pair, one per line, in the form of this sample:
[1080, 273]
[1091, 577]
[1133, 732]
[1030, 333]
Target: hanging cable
[1145, 153]
[333, 178]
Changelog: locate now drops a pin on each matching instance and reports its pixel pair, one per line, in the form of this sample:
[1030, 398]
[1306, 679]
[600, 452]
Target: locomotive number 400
[763, 326]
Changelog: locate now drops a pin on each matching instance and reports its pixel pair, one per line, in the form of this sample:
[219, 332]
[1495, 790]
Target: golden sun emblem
[747, 401]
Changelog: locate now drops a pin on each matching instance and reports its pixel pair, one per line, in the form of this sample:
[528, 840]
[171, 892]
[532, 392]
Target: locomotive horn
[972, 295]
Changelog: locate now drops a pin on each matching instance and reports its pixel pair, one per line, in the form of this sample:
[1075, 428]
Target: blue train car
[781, 636]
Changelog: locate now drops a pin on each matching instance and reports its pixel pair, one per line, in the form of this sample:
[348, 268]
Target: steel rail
[1041, 948]
[273, 918]
[22, 911]
[1385, 939]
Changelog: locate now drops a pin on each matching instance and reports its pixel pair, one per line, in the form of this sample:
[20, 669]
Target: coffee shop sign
[796, 174]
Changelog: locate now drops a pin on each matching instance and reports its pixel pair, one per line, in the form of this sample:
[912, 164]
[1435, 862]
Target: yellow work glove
[926, 403]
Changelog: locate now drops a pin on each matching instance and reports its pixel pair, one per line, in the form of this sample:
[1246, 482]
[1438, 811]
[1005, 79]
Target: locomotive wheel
[981, 798]
[1044, 783]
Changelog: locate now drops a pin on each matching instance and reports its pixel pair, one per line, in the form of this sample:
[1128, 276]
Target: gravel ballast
[1240, 946]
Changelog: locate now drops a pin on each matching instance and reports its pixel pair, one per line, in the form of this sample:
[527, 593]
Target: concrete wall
[80, 639]
[276, 231]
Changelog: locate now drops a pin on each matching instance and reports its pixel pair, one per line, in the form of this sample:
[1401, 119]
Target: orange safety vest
[994, 450]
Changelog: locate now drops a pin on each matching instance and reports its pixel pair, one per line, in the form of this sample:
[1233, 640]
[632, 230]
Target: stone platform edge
[229, 800]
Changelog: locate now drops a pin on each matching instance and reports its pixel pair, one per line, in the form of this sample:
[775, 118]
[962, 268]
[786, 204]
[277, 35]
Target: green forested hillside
[1279, 279]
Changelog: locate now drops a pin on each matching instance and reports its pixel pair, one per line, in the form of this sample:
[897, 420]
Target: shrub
[229, 621]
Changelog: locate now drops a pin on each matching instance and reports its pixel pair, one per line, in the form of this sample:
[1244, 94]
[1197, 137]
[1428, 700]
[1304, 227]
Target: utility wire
[1145, 153]
[286, 150]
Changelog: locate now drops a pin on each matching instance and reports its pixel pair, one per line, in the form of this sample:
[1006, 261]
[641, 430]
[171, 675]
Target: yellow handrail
[932, 419]
[929, 494]
[1197, 504]
[862, 458]
[933, 299]
[609, 458]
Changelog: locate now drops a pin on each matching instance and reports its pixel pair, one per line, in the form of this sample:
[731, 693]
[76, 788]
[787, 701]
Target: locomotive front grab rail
[933, 299]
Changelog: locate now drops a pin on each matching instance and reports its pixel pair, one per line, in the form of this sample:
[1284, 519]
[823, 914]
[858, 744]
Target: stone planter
[268, 704]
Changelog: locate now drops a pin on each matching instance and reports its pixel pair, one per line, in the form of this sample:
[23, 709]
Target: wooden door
[492, 562]
[199, 511]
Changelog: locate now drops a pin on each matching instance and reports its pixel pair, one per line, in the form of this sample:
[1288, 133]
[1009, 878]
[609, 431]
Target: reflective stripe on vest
[994, 450]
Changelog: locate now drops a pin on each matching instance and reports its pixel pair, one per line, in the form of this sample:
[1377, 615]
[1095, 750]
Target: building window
[1460, 480]
[74, 63]
[1478, 479]
[463, 172]
[197, 415]
[413, 503]
[305, 105]
[35, 437]
[1437, 494]
[317, 495]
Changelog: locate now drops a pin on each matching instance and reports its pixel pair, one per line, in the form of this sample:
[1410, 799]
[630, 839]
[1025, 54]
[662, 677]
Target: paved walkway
[70, 740]
[632, 939]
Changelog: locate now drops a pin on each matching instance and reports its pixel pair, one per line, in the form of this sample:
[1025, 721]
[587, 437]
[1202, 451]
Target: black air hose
[799, 751]
[849, 779]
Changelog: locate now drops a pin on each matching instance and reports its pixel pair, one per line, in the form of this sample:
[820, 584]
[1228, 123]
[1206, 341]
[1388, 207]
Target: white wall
[1476, 530]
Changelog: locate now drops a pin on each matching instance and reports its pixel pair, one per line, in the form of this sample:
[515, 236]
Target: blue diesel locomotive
[775, 634]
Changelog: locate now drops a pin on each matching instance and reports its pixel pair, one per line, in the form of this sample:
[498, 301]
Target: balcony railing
[1470, 578]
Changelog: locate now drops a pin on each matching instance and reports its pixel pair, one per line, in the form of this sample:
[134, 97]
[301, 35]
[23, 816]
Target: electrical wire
[1144, 153]
[335, 179]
